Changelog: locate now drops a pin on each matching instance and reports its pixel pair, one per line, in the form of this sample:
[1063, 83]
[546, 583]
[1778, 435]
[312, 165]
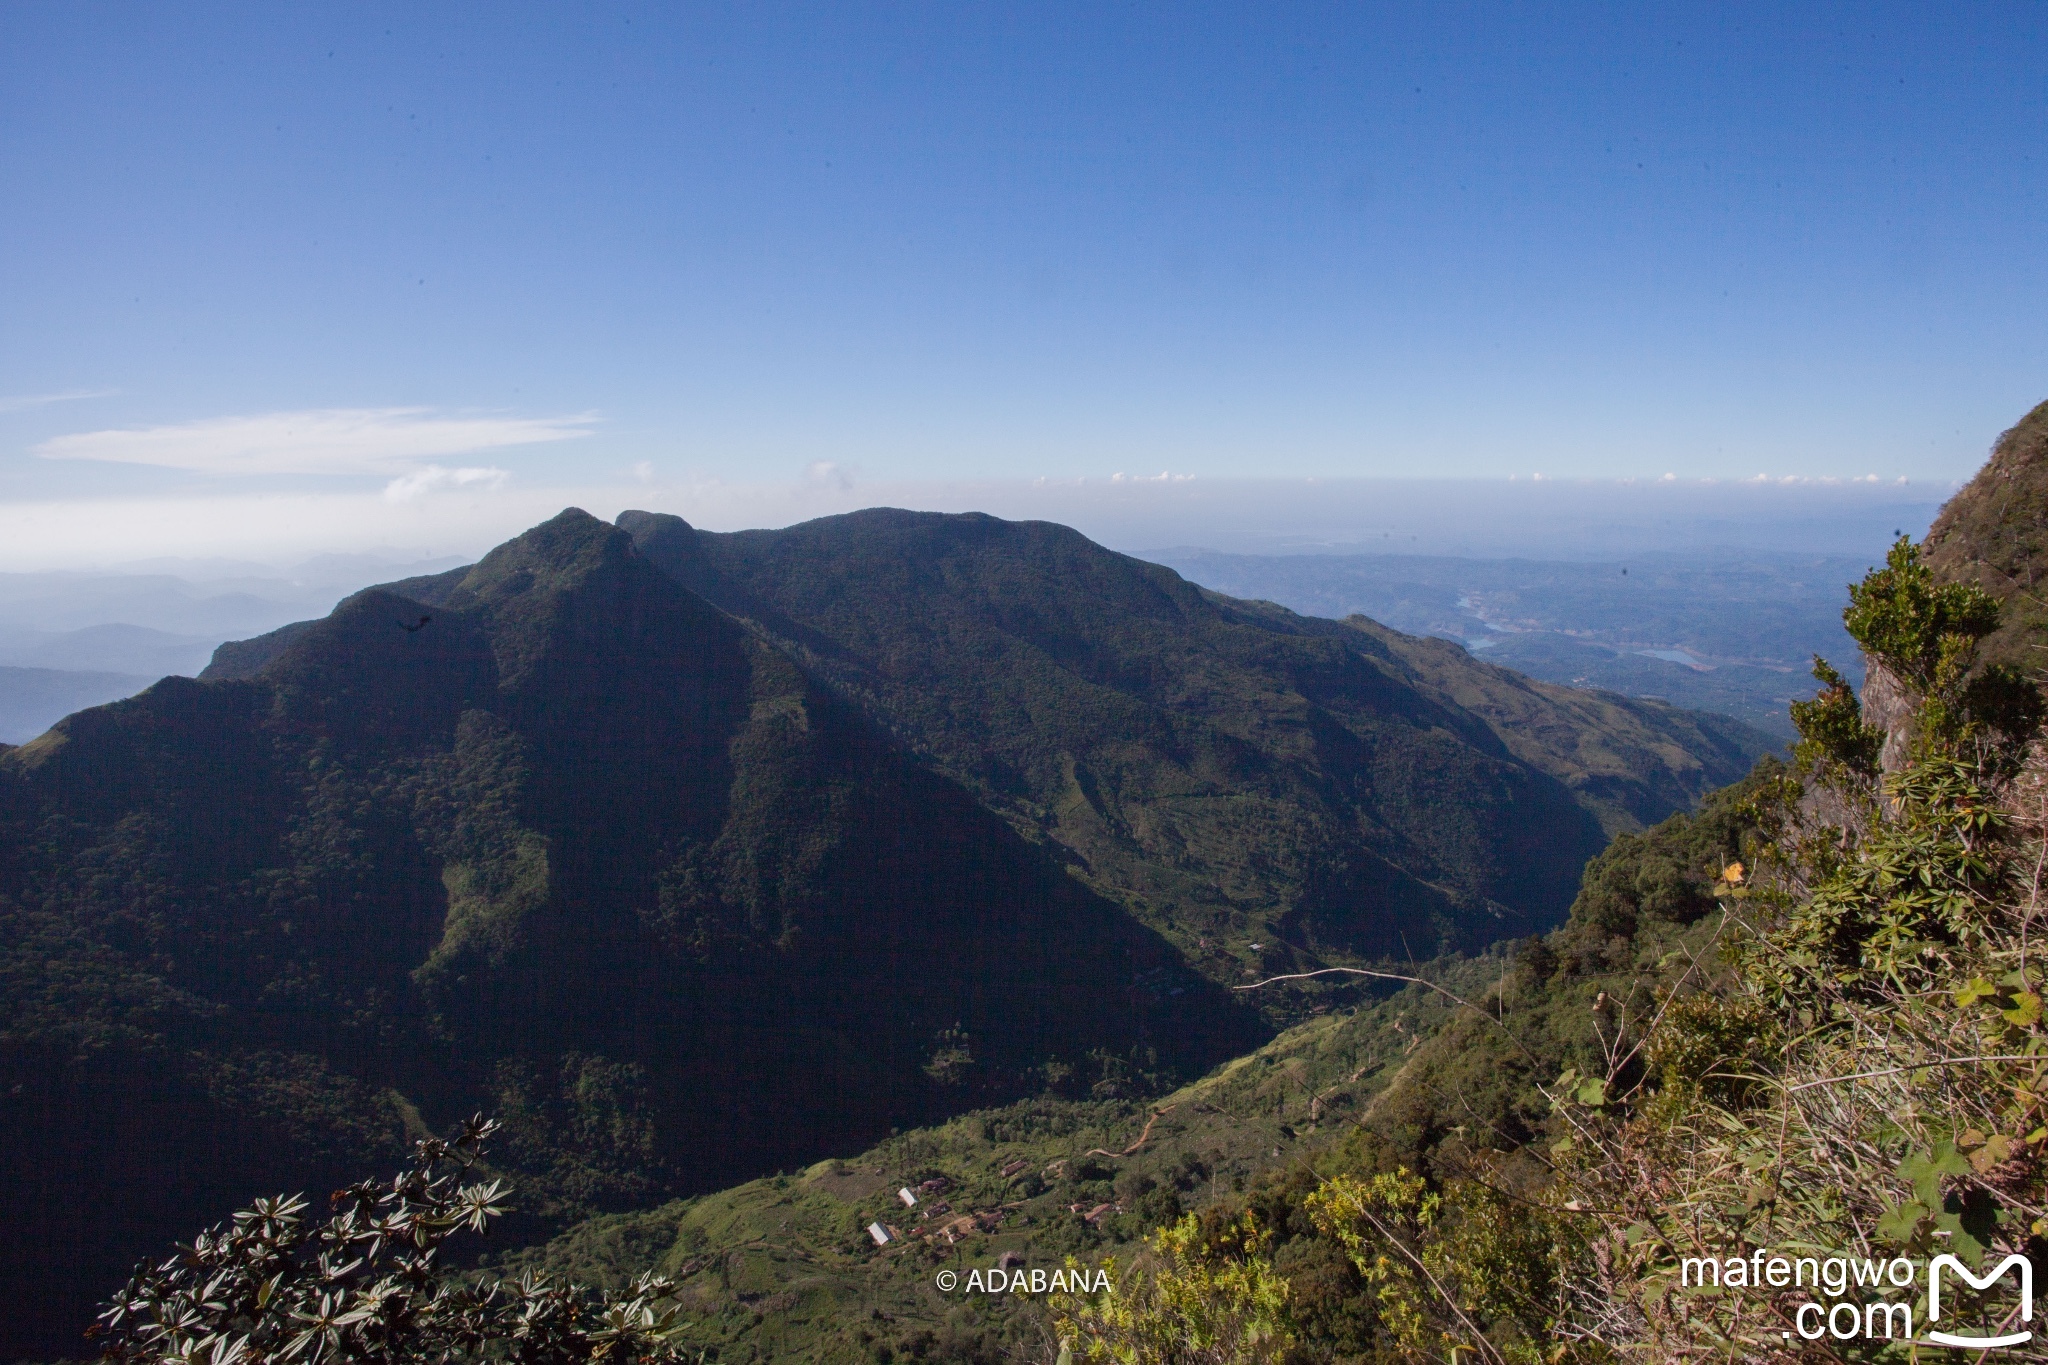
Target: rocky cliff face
[1994, 532]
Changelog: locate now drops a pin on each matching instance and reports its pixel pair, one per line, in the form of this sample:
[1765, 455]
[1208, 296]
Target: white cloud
[317, 441]
[406, 487]
[829, 474]
[22, 402]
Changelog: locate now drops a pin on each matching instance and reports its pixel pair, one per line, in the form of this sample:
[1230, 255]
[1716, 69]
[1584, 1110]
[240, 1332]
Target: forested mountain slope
[566, 844]
[1802, 1015]
[780, 1269]
[1233, 772]
[696, 856]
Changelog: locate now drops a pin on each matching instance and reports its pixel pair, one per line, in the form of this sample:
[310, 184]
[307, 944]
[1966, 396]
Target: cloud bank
[463, 510]
[317, 441]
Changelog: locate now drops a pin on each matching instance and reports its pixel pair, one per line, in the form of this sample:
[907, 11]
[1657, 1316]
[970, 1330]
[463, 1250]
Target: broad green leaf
[1977, 988]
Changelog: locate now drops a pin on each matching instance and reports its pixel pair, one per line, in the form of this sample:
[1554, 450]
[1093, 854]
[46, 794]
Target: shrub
[367, 1284]
[1198, 1300]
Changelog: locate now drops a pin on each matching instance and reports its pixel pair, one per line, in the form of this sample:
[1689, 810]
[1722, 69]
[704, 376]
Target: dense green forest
[1232, 771]
[689, 858]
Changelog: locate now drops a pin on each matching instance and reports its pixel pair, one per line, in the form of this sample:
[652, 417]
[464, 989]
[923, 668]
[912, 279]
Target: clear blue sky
[985, 242]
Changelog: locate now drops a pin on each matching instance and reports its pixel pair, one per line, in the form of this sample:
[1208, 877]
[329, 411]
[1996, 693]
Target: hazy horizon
[1553, 519]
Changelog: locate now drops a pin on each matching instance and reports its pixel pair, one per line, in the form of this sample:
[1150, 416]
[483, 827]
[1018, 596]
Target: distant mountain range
[45, 675]
[109, 647]
[67, 639]
[217, 600]
[34, 699]
[696, 855]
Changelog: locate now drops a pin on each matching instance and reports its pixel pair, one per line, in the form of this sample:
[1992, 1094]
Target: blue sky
[428, 256]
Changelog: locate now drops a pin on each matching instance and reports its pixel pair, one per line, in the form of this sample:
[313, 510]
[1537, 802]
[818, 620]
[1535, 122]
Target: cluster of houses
[932, 1210]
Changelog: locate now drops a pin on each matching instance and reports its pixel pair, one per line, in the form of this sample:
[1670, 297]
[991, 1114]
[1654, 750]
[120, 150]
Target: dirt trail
[1143, 1137]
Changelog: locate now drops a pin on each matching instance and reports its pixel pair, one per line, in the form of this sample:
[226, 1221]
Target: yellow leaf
[1996, 1150]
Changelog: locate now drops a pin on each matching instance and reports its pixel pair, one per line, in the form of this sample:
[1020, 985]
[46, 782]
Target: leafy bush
[1870, 1075]
[1450, 1269]
[368, 1285]
[1203, 1298]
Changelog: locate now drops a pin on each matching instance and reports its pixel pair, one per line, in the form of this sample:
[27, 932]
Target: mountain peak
[568, 547]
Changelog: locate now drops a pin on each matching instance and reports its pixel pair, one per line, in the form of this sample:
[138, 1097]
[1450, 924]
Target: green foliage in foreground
[366, 1285]
[1206, 1299]
[1865, 1075]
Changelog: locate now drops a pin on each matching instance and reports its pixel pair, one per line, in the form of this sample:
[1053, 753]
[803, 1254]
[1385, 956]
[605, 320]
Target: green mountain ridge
[696, 868]
[579, 850]
[1234, 772]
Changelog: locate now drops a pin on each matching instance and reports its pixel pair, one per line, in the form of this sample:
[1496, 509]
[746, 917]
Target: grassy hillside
[783, 1268]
